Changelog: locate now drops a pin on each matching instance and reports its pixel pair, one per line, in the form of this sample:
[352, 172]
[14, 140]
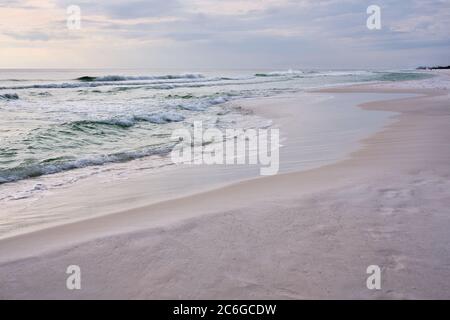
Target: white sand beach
[296, 235]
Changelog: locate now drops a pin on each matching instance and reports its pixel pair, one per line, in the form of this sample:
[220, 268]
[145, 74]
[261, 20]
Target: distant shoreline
[434, 68]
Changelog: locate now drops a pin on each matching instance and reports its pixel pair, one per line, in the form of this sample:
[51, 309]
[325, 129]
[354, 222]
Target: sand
[300, 235]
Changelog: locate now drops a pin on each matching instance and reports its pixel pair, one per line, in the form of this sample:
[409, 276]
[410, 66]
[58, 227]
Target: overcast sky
[194, 34]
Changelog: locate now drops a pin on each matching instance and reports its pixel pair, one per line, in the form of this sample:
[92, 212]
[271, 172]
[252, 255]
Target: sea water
[61, 126]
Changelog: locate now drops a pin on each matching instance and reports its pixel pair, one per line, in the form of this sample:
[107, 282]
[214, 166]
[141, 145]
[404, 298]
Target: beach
[296, 235]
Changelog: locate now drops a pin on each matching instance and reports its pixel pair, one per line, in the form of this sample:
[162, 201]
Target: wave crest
[157, 118]
[9, 96]
[111, 78]
[53, 166]
[289, 72]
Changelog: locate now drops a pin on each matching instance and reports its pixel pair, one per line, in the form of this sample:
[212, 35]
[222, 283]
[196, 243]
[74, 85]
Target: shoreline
[241, 202]
[81, 201]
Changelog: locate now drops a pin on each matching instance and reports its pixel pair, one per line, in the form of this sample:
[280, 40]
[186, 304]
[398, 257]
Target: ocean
[58, 121]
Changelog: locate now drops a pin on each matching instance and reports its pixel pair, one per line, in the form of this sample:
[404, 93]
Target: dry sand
[300, 235]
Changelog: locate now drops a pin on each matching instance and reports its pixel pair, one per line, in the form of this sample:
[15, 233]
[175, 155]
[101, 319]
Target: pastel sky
[194, 34]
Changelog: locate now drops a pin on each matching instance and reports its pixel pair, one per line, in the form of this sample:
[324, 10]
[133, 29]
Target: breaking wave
[52, 166]
[157, 118]
[281, 73]
[134, 78]
[9, 96]
[160, 118]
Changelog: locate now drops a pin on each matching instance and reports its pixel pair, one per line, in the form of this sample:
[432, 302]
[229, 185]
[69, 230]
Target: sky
[244, 34]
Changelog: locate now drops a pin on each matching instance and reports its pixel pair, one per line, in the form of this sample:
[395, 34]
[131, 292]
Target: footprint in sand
[388, 211]
[396, 262]
[396, 193]
[384, 233]
[393, 260]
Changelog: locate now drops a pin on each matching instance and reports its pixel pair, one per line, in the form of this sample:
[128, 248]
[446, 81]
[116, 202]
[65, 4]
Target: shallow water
[51, 122]
[331, 128]
[59, 130]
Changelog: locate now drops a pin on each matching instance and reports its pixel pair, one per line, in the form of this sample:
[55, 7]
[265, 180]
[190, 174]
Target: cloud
[119, 9]
[30, 36]
[244, 32]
